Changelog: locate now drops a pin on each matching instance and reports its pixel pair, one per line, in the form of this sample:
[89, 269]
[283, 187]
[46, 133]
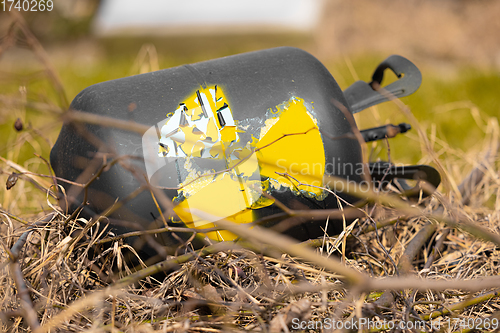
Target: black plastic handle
[361, 95]
[386, 172]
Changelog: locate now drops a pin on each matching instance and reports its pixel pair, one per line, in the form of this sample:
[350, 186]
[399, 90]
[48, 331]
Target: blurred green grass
[455, 104]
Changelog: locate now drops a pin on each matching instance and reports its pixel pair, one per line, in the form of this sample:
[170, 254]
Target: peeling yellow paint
[195, 180]
[200, 127]
[223, 198]
[290, 135]
[228, 133]
[248, 167]
[293, 146]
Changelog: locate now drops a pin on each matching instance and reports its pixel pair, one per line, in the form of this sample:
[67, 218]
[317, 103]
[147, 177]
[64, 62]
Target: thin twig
[39, 51]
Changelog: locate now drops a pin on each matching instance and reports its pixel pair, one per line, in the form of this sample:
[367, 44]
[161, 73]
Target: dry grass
[263, 289]
[435, 261]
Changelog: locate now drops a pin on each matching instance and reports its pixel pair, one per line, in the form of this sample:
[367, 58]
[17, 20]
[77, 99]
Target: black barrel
[221, 133]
